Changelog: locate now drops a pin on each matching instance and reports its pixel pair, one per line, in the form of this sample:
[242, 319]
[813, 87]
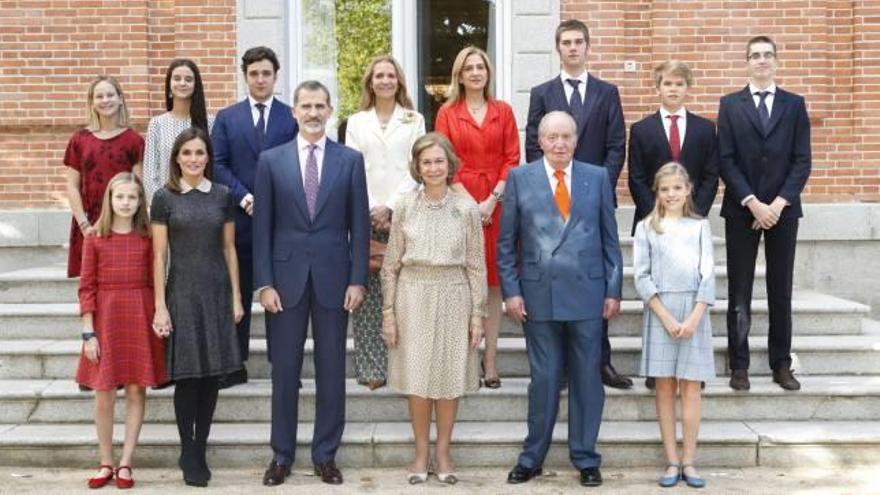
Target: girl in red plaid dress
[116, 302]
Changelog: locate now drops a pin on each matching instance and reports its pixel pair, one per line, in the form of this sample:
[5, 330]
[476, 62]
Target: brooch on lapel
[408, 116]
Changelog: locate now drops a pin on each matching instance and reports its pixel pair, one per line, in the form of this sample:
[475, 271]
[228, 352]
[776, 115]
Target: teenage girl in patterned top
[116, 301]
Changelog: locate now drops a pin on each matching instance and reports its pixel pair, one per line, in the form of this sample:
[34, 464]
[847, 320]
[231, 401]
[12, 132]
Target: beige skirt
[433, 311]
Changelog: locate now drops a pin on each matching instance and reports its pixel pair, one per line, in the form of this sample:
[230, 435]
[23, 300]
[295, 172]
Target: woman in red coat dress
[484, 134]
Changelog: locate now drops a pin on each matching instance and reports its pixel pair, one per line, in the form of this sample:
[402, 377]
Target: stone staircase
[46, 421]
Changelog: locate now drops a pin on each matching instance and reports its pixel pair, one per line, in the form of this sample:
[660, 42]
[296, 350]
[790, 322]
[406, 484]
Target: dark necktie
[311, 181]
[763, 111]
[576, 104]
[260, 128]
[674, 138]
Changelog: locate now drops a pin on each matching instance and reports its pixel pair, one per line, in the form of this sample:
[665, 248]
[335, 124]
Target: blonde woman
[384, 131]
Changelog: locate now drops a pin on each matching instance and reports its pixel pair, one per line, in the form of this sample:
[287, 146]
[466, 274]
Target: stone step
[390, 444]
[813, 314]
[815, 355]
[835, 397]
[49, 284]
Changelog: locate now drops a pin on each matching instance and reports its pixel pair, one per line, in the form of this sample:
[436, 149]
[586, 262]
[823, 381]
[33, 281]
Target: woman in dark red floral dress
[116, 302]
[94, 155]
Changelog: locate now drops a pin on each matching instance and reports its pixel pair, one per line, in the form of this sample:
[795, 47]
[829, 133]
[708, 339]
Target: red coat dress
[117, 287]
[97, 161]
[486, 153]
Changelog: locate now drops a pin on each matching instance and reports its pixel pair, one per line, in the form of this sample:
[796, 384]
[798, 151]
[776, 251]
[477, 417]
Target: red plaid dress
[116, 285]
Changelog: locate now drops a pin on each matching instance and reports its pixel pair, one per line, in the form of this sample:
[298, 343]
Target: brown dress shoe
[329, 473]
[275, 474]
[786, 379]
[611, 378]
[739, 380]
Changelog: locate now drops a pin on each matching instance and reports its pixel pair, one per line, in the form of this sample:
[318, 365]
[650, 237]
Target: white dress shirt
[667, 123]
[551, 174]
[569, 90]
[303, 147]
[769, 98]
[255, 112]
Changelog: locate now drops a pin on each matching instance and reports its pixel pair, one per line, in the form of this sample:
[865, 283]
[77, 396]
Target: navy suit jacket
[771, 164]
[649, 150]
[601, 141]
[563, 270]
[288, 245]
[234, 143]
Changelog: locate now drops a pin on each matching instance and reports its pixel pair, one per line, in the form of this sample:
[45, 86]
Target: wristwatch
[86, 336]
[498, 196]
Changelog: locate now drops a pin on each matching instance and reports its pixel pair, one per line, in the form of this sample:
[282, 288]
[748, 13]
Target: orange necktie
[563, 201]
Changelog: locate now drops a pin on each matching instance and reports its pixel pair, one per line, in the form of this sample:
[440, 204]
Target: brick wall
[51, 49]
[829, 52]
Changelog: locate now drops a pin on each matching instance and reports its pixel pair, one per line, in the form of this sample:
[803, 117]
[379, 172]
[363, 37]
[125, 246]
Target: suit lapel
[329, 173]
[557, 95]
[540, 184]
[299, 192]
[593, 96]
[751, 111]
[246, 123]
[780, 105]
[275, 117]
[660, 136]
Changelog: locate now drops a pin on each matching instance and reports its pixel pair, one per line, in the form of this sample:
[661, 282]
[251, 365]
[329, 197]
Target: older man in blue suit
[241, 132]
[311, 247]
[561, 268]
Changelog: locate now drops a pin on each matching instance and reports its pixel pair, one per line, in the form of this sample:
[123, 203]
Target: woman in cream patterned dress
[434, 287]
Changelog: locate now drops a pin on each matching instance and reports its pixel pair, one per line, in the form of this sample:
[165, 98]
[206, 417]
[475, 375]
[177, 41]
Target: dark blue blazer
[288, 245]
[602, 141]
[771, 164]
[649, 150]
[236, 152]
[563, 270]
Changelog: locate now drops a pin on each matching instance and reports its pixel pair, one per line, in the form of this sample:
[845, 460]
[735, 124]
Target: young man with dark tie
[601, 135]
[672, 133]
[765, 161]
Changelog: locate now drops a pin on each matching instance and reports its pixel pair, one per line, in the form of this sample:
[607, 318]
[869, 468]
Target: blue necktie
[576, 104]
[763, 111]
[260, 128]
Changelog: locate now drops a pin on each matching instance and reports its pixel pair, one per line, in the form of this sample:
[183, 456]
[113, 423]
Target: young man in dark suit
[672, 134]
[241, 132]
[765, 160]
[601, 134]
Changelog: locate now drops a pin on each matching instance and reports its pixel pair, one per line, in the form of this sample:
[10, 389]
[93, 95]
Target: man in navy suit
[672, 134]
[311, 247]
[561, 270]
[601, 137]
[765, 160]
[241, 132]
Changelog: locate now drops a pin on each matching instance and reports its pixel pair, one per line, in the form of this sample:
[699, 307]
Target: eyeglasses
[759, 56]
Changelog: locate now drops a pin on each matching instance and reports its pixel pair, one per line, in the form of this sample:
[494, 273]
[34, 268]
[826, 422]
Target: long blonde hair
[368, 96]
[140, 222]
[455, 92]
[671, 169]
[122, 117]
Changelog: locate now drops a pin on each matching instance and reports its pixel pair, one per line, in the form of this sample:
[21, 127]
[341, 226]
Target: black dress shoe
[739, 380]
[591, 476]
[275, 474]
[650, 383]
[521, 474]
[611, 378]
[786, 379]
[329, 473]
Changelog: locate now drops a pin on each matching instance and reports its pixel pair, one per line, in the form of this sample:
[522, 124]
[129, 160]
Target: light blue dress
[677, 266]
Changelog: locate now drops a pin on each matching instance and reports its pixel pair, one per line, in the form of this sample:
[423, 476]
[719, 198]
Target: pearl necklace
[436, 205]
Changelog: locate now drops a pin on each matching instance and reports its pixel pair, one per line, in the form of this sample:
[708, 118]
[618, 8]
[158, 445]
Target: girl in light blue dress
[674, 276]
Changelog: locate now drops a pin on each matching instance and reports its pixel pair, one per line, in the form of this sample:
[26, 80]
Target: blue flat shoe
[670, 480]
[692, 481]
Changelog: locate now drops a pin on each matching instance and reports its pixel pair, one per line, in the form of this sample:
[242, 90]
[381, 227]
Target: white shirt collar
[582, 77]
[204, 186]
[682, 113]
[551, 172]
[302, 144]
[254, 102]
[770, 89]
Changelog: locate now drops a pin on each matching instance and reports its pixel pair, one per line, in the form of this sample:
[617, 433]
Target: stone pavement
[756, 480]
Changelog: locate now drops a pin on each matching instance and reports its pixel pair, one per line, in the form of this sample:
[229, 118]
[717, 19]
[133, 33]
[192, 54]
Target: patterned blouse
[161, 134]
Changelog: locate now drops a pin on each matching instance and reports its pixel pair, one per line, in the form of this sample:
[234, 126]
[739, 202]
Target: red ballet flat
[100, 481]
[124, 482]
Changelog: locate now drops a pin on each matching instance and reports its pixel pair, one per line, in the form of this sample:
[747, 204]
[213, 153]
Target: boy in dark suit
[672, 134]
[765, 161]
[601, 135]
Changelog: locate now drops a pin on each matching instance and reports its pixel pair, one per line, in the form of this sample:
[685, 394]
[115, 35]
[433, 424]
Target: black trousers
[742, 250]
